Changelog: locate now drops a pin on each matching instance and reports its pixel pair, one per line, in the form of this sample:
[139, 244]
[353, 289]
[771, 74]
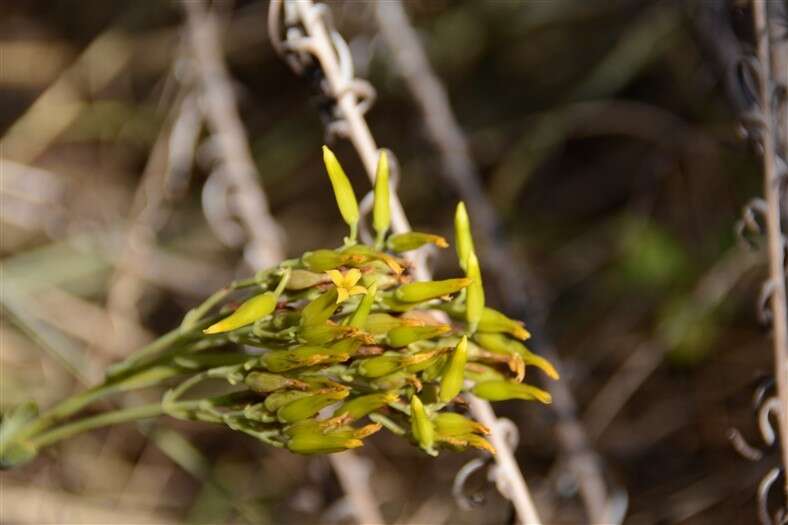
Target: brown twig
[265, 243]
[776, 248]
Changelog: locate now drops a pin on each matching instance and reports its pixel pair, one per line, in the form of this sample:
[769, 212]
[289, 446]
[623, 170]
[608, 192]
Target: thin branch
[771, 189]
[265, 244]
[460, 172]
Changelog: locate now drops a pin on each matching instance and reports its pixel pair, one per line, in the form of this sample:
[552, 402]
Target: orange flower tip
[353, 443]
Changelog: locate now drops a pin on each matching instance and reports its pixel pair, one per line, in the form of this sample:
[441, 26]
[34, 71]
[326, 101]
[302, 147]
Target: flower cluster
[350, 344]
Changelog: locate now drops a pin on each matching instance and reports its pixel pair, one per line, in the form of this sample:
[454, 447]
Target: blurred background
[606, 137]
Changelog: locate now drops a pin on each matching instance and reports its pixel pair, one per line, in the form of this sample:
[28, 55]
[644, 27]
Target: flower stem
[101, 420]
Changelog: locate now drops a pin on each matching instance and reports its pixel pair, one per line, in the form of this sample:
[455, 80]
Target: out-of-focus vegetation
[604, 138]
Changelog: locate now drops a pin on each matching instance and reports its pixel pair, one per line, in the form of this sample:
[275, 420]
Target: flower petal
[342, 294]
[352, 277]
[357, 290]
[336, 277]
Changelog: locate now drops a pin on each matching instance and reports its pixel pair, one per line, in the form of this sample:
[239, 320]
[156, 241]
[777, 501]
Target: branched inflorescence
[349, 338]
[328, 349]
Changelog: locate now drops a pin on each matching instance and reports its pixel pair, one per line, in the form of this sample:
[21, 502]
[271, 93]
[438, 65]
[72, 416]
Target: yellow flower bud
[494, 321]
[454, 372]
[474, 301]
[405, 242]
[343, 191]
[425, 290]
[381, 213]
[504, 390]
[463, 240]
[251, 310]
[421, 426]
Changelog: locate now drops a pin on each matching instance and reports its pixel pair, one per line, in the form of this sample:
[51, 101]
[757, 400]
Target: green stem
[65, 408]
[101, 420]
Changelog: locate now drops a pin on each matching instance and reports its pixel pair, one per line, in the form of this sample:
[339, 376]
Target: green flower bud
[251, 310]
[309, 406]
[474, 301]
[479, 373]
[435, 368]
[396, 381]
[343, 191]
[258, 412]
[453, 424]
[321, 309]
[423, 360]
[303, 279]
[405, 242]
[381, 365]
[301, 356]
[324, 260]
[454, 373]
[345, 347]
[425, 290]
[318, 334]
[502, 344]
[361, 250]
[504, 390]
[421, 427]
[280, 398]
[379, 323]
[463, 240]
[313, 439]
[360, 316]
[404, 335]
[360, 406]
[467, 440]
[494, 321]
[263, 382]
[381, 213]
[308, 443]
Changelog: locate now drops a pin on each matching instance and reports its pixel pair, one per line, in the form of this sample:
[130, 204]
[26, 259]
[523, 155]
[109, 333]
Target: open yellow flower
[346, 283]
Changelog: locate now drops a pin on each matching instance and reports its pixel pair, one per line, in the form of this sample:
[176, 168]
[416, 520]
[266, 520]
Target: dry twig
[772, 167]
